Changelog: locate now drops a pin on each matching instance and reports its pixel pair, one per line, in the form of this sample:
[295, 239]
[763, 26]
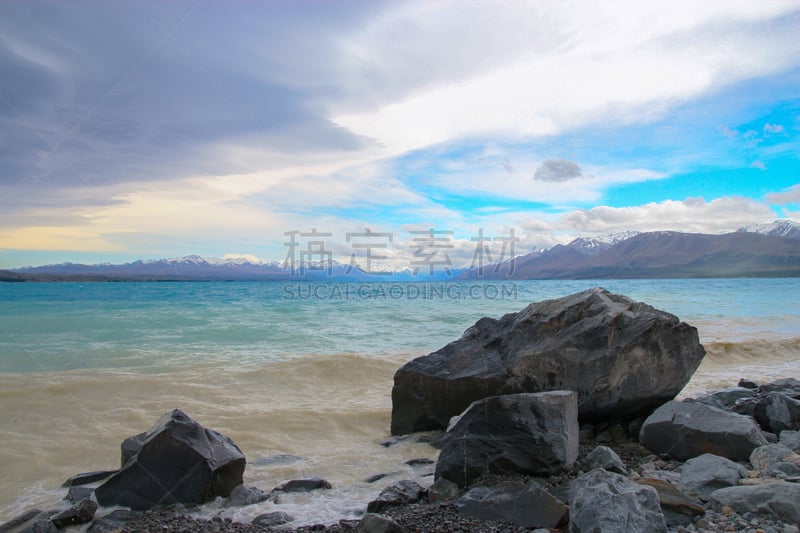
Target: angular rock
[788, 386]
[765, 456]
[114, 522]
[88, 477]
[747, 384]
[605, 458]
[77, 493]
[783, 469]
[623, 358]
[601, 502]
[706, 473]
[400, 493]
[775, 500]
[242, 495]
[130, 447]
[378, 523]
[790, 439]
[303, 485]
[533, 434]
[179, 461]
[726, 398]
[39, 523]
[777, 412]
[276, 518]
[688, 429]
[678, 509]
[523, 505]
[442, 490]
[80, 513]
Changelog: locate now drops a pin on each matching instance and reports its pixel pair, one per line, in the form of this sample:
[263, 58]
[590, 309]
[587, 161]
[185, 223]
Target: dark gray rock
[706, 473]
[421, 461]
[783, 469]
[788, 386]
[790, 439]
[623, 358]
[443, 490]
[303, 485]
[400, 493]
[776, 500]
[242, 495]
[179, 461]
[726, 398]
[378, 523]
[605, 458]
[678, 508]
[88, 477]
[688, 429]
[524, 505]
[276, 518]
[80, 513]
[19, 520]
[113, 522]
[130, 447]
[601, 502]
[533, 434]
[38, 524]
[777, 412]
[375, 477]
[77, 493]
[748, 384]
[765, 456]
[276, 460]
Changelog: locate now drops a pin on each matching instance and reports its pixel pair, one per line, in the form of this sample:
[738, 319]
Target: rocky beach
[560, 417]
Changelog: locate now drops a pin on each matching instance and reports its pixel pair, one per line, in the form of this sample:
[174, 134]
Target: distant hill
[664, 254]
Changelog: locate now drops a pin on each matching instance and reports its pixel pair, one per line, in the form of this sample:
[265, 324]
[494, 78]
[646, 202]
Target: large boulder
[775, 500]
[777, 412]
[706, 473]
[526, 505]
[688, 429]
[534, 434]
[601, 502]
[623, 358]
[179, 461]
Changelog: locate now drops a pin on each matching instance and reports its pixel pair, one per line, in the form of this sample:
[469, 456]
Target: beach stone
[623, 358]
[783, 469]
[706, 473]
[303, 485]
[602, 501]
[777, 412]
[774, 500]
[400, 493]
[420, 461]
[19, 520]
[526, 505]
[77, 493]
[114, 522]
[180, 461]
[39, 523]
[378, 523]
[605, 458]
[765, 456]
[88, 477]
[688, 429]
[678, 508]
[80, 513]
[276, 518]
[747, 383]
[242, 495]
[442, 490]
[788, 386]
[533, 434]
[726, 398]
[790, 439]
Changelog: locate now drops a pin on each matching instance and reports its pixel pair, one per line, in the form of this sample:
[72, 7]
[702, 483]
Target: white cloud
[790, 196]
[759, 165]
[772, 128]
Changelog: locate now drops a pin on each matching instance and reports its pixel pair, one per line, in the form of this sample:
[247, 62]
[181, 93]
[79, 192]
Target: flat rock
[678, 508]
[80, 513]
[276, 518]
[623, 358]
[605, 458]
[88, 477]
[77, 493]
[179, 461]
[688, 429]
[605, 502]
[242, 495]
[378, 523]
[775, 500]
[706, 473]
[526, 505]
[777, 412]
[276, 460]
[533, 434]
[400, 493]
[303, 485]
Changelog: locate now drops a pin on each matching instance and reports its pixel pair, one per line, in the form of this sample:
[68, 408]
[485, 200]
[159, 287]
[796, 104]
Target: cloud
[790, 196]
[558, 170]
[727, 132]
[772, 128]
[759, 165]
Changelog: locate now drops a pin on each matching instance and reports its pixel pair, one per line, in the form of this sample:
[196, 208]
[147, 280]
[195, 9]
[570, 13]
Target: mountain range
[766, 250]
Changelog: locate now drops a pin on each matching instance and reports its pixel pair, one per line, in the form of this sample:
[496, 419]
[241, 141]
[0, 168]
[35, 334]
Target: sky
[147, 129]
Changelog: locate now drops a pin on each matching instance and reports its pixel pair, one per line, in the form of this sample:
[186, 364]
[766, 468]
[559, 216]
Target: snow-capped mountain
[783, 227]
[599, 243]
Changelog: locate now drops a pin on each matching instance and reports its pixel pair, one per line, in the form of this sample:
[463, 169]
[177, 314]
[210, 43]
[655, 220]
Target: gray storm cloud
[558, 170]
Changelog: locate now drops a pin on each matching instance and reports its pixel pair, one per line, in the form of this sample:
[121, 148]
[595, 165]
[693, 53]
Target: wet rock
[77, 493]
[400, 493]
[378, 523]
[775, 500]
[442, 490]
[19, 520]
[179, 461]
[623, 358]
[601, 502]
[706, 473]
[421, 461]
[40, 523]
[747, 384]
[688, 429]
[80, 513]
[678, 508]
[533, 434]
[375, 477]
[777, 412]
[242, 495]
[605, 458]
[303, 485]
[277, 518]
[88, 477]
[765, 456]
[280, 459]
[524, 505]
